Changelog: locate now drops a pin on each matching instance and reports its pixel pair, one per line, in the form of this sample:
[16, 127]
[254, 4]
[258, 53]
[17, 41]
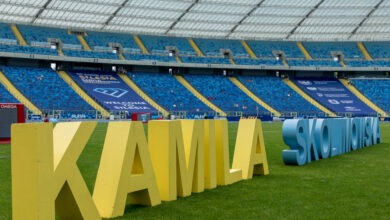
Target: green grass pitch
[351, 186]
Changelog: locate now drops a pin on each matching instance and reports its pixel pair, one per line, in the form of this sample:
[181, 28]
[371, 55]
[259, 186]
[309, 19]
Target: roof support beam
[243, 18]
[40, 11]
[181, 16]
[114, 14]
[364, 19]
[303, 19]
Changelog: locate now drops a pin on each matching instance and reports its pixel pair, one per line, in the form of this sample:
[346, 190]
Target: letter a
[249, 152]
[125, 172]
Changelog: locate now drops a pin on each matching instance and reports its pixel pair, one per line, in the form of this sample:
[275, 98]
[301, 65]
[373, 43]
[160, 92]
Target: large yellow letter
[32, 171]
[45, 174]
[193, 138]
[74, 200]
[210, 163]
[177, 150]
[125, 171]
[249, 152]
[225, 175]
[168, 158]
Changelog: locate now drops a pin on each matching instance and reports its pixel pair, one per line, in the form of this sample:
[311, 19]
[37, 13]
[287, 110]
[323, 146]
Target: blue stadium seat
[378, 50]
[40, 36]
[102, 39]
[278, 95]
[224, 94]
[159, 44]
[90, 54]
[28, 50]
[367, 63]
[258, 62]
[264, 49]
[323, 50]
[44, 88]
[377, 90]
[205, 60]
[6, 35]
[169, 93]
[212, 47]
[316, 63]
[6, 97]
[149, 57]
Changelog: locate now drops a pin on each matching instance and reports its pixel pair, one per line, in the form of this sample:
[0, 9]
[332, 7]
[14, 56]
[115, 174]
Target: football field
[350, 186]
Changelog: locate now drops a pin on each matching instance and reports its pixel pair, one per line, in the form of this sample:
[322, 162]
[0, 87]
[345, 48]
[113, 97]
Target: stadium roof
[242, 19]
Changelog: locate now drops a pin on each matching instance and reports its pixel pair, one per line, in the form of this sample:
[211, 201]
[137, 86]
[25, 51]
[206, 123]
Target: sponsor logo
[320, 94]
[304, 82]
[311, 88]
[346, 101]
[7, 106]
[114, 92]
[333, 101]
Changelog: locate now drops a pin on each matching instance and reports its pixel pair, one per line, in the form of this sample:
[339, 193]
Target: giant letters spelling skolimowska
[183, 156]
[313, 139]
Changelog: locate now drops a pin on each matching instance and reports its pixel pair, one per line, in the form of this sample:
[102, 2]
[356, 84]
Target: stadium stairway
[178, 60]
[364, 51]
[140, 45]
[83, 42]
[197, 94]
[18, 95]
[195, 47]
[82, 94]
[248, 49]
[232, 61]
[59, 51]
[143, 95]
[308, 98]
[18, 35]
[364, 99]
[304, 51]
[241, 86]
[121, 56]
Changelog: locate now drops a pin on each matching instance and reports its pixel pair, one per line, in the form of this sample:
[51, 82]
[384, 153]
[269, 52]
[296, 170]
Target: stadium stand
[264, 49]
[323, 50]
[377, 90]
[213, 47]
[148, 57]
[170, 94]
[44, 88]
[278, 95]
[90, 54]
[6, 97]
[378, 50]
[319, 63]
[367, 63]
[39, 36]
[28, 50]
[102, 40]
[258, 62]
[205, 60]
[159, 44]
[6, 35]
[219, 90]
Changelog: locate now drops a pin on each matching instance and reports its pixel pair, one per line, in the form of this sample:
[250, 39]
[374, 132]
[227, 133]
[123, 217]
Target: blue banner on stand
[333, 95]
[110, 91]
